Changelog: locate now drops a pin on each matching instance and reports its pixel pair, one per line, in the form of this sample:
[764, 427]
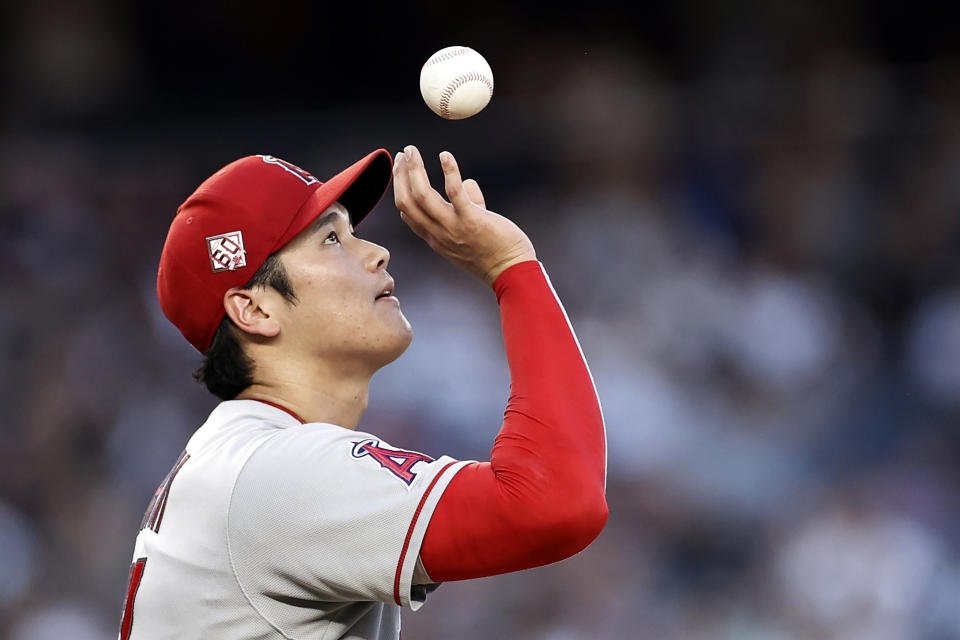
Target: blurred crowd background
[750, 209]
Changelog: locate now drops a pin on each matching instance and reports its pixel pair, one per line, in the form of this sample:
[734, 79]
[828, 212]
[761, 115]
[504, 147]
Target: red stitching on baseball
[455, 84]
[459, 51]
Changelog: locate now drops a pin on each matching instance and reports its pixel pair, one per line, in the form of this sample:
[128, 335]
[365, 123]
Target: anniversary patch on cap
[226, 251]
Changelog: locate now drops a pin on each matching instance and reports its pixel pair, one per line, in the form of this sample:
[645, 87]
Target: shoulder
[237, 421]
[318, 446]
[324, 455]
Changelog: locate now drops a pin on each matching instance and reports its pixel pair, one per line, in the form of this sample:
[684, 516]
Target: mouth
[386, 292]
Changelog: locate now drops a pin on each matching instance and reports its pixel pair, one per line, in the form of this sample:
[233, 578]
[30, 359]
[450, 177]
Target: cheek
[336, 303]
[337, 309]
[334, 307]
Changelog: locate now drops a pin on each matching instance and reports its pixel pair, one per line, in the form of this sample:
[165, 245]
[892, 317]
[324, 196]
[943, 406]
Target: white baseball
[456, 82]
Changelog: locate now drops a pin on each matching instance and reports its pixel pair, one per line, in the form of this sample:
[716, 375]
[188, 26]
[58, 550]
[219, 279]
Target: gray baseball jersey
[267, 528]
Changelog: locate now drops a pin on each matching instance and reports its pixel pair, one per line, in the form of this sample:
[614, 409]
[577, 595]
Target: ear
[249, 310]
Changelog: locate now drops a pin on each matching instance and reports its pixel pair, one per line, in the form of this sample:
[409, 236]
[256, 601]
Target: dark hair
[226, 369]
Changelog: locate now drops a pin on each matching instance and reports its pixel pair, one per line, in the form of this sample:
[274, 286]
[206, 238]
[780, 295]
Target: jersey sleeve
[324, 514]
[541, 497]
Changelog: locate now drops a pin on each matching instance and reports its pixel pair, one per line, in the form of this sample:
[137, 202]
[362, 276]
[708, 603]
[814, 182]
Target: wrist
[502, 267]
[517, 270]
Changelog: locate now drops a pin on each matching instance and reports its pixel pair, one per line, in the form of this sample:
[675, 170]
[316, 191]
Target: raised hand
[462, 230]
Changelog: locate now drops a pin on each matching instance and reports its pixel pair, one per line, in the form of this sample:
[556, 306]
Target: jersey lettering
[396, 461]
[152, 520]
[136, 575]
[154, 514]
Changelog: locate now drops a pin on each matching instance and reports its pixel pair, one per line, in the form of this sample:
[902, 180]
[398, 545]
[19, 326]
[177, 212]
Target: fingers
[423, 195]
[401, 186]
[401, 196]
[453, 183]
[422, 208]
[473, 191]
[415, 226]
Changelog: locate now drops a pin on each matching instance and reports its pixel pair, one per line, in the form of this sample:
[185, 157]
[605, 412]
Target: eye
[332, 236]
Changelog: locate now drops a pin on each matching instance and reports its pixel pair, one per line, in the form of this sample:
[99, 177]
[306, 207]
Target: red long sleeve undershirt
[540, 498]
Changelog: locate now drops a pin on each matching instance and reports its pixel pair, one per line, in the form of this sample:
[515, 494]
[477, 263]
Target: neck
[333, 399]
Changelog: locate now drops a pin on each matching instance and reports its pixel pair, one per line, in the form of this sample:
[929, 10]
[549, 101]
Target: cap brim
[359, 188]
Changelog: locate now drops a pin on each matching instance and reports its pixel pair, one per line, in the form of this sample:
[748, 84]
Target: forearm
[541, 496]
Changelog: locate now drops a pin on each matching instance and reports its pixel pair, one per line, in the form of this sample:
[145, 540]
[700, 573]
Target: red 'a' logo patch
[396, 461]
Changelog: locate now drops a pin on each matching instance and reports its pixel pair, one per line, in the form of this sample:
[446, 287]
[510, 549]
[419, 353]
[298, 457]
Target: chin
[403, 341]
[396, 345]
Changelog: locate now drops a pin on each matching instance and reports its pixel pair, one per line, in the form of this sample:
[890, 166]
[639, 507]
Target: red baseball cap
[237, 218]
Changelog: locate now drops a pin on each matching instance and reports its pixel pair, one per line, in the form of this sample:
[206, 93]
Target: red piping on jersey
[282, 408]
[413, 523]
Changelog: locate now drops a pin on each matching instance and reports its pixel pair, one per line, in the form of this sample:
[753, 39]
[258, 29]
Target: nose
[378, 258]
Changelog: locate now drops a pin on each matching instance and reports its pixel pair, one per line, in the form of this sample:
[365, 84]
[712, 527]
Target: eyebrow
[328, 218]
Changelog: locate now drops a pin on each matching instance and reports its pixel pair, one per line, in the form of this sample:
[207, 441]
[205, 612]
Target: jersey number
[396, 461]
[151, 520]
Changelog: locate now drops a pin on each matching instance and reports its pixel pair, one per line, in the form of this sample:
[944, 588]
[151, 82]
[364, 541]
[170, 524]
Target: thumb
[473, 192]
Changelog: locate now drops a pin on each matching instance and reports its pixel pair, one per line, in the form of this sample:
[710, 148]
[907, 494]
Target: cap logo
[307, 178]
[226, 251]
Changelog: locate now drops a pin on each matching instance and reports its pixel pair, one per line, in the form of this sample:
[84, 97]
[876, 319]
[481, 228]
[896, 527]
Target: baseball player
[280, 519]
